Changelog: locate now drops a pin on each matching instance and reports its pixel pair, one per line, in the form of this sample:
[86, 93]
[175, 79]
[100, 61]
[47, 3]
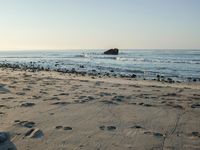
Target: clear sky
[87, 24]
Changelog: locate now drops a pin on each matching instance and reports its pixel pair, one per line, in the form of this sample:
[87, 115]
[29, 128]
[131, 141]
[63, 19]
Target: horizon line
[99, 49]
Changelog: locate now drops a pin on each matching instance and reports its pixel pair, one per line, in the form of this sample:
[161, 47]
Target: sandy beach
[56, 111]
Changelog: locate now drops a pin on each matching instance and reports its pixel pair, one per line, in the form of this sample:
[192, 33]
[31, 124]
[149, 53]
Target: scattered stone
[133, 76]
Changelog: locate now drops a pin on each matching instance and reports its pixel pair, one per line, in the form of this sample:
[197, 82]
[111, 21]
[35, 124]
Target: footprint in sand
[137, 127]
[27, 104]
[195, 134]
[34, 133]
[2, 113]
[21, 93]
[156, 134]
[64, 128]
[27, 124]
[109, 102]
[109, 128]
[4, 106]
[61, 103]
[195, 105]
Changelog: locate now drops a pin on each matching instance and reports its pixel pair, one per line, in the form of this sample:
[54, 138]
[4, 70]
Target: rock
[133, 76]
[81, 66]
[114, 51]
[170, 80]
[3, 137]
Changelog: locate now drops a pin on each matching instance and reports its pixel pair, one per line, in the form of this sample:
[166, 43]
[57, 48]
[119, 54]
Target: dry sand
[53, 111]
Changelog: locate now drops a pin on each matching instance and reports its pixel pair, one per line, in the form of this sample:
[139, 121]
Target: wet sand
[54, 111]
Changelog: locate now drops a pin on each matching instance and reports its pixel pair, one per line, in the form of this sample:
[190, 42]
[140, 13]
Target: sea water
[176, 64]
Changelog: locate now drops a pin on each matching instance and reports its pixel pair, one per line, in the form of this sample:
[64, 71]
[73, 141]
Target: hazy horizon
[93, 24]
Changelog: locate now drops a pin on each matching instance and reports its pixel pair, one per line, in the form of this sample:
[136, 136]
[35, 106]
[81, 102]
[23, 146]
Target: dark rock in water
[169, 80]
[113, 51]
[194, 80]
[3, 137]
[158, 77]
[133, 76]
[81, 66]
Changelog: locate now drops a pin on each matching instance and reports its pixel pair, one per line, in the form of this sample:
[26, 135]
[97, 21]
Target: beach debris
[114, 51]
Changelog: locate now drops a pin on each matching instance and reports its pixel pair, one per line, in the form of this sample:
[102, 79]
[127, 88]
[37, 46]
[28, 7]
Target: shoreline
[52, 110]
[109, 79]
[158, 77]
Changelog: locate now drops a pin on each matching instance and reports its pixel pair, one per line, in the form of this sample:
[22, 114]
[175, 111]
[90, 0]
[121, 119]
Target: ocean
[180, 65]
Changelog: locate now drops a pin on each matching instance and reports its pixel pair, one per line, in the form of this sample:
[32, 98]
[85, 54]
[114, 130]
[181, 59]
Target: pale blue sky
[82, 24]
